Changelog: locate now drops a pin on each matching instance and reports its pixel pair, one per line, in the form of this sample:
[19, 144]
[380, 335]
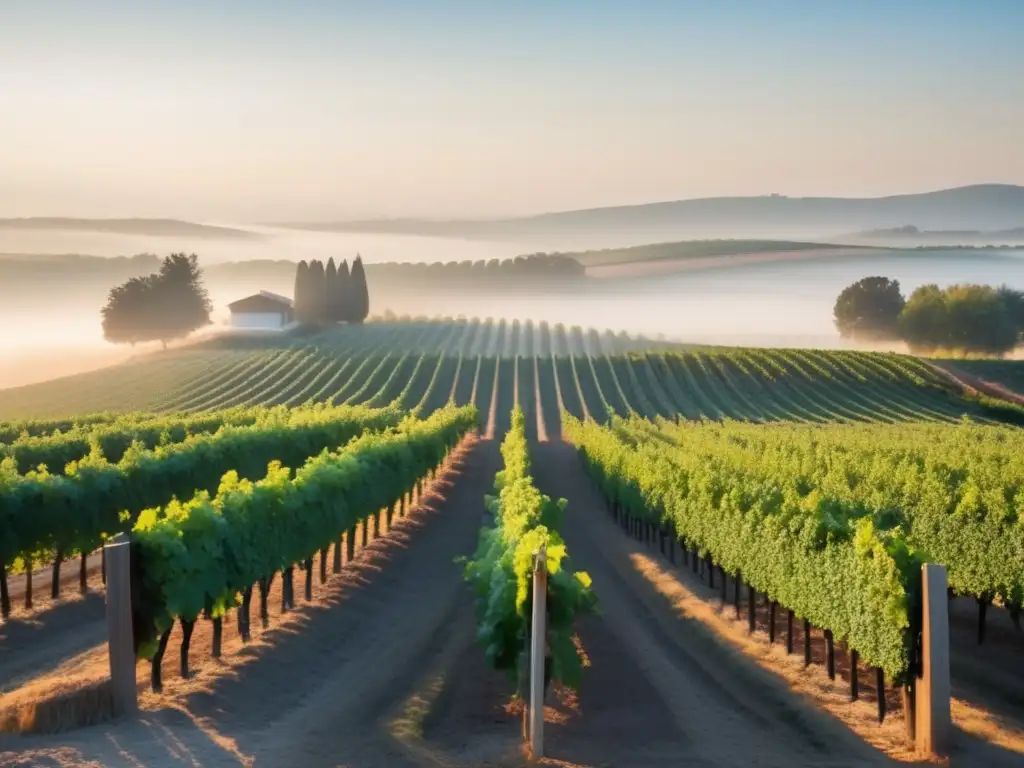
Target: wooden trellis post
[933, 727]
[121, 643]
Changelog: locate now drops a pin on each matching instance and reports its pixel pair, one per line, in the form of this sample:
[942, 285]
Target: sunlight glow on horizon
[314, 110]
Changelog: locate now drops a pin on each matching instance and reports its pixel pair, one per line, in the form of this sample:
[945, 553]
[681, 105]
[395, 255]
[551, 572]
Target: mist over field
[784, 301]
[299, 134]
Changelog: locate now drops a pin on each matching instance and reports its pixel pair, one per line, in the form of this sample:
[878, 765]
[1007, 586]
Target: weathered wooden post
[121, 644]
[538, 646]
[931, 708]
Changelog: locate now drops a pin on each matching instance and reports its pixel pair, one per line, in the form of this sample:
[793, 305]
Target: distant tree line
[331, 294]
[163, 306]
[685, 249]
[536, 269]
[964, 317]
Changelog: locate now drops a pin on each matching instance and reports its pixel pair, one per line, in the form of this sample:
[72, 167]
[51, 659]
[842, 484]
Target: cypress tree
[343, 289]
[331, 306]
[316, 291]
[301, 298]
[360, 292]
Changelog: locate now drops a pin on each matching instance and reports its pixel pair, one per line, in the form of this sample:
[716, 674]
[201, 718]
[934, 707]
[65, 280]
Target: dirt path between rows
[717, 707]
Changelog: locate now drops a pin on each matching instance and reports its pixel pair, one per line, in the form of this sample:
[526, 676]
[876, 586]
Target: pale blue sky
[253, 111]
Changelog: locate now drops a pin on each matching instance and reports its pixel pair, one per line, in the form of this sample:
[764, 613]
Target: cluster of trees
[964, 317]
[166, 305]
[331, 294]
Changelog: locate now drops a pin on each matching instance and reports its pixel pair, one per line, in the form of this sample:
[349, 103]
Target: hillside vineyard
[805, 484]
[548, 370]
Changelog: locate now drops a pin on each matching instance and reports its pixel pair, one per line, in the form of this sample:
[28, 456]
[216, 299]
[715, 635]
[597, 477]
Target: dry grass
[57, 705]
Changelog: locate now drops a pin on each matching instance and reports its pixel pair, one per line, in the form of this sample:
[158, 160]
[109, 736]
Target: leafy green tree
[184, 301]
[979, 320]
[125, 316]
[923, 320]
[1013, 301]
[870, 309]
[167, 305]
[969, 318]
[359, 292]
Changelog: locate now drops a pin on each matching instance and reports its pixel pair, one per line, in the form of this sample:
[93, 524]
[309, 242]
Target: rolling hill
[982, 206]
[144, 227]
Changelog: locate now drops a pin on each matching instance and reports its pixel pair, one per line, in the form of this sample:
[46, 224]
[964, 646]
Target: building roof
[276, 297]
[264, 301]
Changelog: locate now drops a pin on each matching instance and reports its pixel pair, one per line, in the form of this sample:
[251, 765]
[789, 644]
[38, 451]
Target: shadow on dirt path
[727, 710]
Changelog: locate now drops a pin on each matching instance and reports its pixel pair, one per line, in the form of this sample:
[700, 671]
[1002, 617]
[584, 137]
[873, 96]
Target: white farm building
[263, 311]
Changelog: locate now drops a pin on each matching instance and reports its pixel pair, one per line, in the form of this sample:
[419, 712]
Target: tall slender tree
[343, 289]
[316, 291]
[360, 292]
[331, 305]
[301, 299]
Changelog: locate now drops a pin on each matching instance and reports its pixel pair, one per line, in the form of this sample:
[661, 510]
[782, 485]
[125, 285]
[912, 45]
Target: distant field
[696, 249]
[668, 266]
[547, 369]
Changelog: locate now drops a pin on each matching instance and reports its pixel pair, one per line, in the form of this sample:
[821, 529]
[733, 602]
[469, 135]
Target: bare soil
[976, 385]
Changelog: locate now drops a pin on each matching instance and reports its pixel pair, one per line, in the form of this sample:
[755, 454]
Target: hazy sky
[255, 111]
